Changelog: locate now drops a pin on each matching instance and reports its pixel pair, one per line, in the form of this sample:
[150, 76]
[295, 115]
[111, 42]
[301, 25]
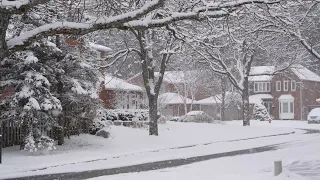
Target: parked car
[196, 116]
[175, 119]
[314, 116]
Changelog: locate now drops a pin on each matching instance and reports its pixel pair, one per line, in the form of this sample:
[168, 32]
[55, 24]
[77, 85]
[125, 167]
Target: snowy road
[172, 162]
[148, 166]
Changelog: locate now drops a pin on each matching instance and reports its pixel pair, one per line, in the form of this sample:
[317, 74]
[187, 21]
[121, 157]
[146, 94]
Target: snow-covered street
[177, 140]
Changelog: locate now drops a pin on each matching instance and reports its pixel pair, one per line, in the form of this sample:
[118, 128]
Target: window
[261, 86]
[278, 85]
[286, 85]
[291, 107]
[285, 107]
[293, 86]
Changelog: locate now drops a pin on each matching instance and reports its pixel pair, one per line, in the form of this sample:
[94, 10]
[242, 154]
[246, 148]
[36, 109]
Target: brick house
[116, 93]
[287, 95]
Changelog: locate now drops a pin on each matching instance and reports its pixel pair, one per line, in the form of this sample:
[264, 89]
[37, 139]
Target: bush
[260, 112]
[39, 143]
[197, 116]
[162, 120]
[98, 125]
[103, 133]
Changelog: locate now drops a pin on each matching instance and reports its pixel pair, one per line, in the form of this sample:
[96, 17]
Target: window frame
[262, 86]
[284, 85]
[278, 85]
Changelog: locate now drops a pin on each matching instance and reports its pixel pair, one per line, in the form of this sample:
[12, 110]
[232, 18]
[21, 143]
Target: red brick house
[116, 93]
[287, 95]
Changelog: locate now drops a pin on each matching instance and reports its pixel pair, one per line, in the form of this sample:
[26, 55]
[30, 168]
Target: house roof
[255, 70]
[286, 97]
[304, 73]
[257, 98]
[300, 71]
[114, 83]
[217, 98]
[174, 77]
[172, 98]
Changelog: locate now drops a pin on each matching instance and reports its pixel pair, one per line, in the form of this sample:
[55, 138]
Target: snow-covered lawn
[301, 161]
[132, 146]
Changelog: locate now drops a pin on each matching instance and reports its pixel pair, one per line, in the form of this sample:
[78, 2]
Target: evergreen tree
[260, 112]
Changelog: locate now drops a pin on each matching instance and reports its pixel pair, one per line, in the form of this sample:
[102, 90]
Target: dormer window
[262, 87]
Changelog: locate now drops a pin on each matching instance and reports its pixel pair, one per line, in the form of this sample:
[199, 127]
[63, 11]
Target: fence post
[277, 167]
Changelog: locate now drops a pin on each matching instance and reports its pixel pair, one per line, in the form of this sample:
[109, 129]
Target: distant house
[116, 93]
[173, 104]
[178, 82]
[287, 95]
[178, 86]
[213, 105]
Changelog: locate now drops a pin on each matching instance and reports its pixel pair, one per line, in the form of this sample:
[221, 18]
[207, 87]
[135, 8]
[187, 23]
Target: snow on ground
[301, 162]
[279, 123]
[132, 146]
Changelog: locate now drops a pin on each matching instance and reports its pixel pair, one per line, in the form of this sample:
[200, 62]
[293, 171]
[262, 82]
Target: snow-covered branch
[128, 20]
[19, 7]
[104, 22]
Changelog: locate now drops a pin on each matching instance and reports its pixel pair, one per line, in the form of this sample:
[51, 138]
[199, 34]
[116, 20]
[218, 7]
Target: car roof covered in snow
[315, 111]
[114, 83]
[172, 98]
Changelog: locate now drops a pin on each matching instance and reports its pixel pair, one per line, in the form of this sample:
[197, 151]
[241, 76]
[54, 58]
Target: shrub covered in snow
[123, 114]
[34, 144]
[162, 120]
[103, 133]
[197, 116]
[260, 112]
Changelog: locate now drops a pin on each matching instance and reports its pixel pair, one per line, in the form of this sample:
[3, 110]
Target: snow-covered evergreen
[260, 112]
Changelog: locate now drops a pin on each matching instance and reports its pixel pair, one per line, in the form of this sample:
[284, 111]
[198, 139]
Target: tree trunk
[25, 131]
[223, 98]
[4, 22]
[222, 113]
[153, 115]
[245, 101]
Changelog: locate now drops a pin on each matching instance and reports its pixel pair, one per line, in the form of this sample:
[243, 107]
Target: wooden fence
[12, 132]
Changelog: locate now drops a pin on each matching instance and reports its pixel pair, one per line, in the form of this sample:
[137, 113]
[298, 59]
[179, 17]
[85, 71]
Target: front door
[286, 109]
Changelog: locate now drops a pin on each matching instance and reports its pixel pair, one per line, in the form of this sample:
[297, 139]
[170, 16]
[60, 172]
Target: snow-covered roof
[172, 98]
[217, 98]
[114, 83]
[99, 47]
[255, 70]
[300, 71]
[257, 98]
[304, 73]
[195, 113]
[286, 97]
[176, 77]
